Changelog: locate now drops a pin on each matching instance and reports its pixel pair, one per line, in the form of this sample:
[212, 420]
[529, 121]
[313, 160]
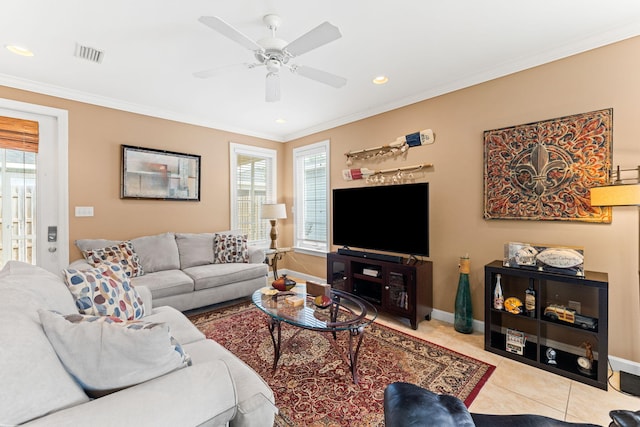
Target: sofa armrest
[256, 254]
[407, 404]
[187, 397]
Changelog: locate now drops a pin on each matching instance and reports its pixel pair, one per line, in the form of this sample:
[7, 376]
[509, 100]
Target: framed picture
[544, 170]
[159, 174]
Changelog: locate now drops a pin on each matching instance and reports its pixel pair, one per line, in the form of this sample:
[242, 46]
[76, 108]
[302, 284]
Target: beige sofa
[38, 388]
[181, 271]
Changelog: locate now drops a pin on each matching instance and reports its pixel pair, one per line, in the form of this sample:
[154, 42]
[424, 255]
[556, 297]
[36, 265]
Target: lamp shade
[616, 195]
[273, 211]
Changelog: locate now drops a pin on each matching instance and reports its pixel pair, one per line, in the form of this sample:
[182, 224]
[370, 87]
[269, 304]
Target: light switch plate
[84, 210]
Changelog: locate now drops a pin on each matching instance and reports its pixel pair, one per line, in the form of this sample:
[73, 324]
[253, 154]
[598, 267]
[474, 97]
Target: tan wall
[603, 78]
[95, 137]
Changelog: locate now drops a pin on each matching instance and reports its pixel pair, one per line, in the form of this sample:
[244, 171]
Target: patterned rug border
[235, 308]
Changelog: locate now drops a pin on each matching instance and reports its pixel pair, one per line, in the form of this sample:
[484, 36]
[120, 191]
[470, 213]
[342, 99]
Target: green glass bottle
[463, 310]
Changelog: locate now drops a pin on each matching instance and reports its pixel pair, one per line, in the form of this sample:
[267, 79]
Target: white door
[47, 243]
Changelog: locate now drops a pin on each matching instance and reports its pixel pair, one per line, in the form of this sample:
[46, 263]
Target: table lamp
[273, 212]
[622, 192]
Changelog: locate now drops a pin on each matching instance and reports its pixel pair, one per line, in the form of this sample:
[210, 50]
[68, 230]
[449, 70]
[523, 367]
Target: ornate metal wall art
[544, 170]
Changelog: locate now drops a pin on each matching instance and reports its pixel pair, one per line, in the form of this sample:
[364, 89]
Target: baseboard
[445, 316]
[624, 365]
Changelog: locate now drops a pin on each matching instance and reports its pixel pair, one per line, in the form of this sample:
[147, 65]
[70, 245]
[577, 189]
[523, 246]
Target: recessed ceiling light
[18, 50]
[380, 80]
[281, 121]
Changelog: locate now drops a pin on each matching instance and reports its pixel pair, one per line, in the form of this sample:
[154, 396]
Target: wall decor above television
[159, 174]
[389, 218]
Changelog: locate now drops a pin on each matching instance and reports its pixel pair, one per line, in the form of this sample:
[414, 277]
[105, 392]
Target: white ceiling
[426, 47]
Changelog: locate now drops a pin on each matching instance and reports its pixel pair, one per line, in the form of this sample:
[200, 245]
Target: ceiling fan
[275, 53]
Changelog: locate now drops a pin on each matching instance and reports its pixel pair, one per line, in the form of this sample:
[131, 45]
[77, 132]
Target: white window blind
[253, 183]
[311, 186]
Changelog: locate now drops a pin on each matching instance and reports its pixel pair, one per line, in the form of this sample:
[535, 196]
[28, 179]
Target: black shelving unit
[587, 294]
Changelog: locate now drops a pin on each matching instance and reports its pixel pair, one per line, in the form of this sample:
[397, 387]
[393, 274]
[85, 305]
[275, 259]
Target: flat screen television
[389, 218]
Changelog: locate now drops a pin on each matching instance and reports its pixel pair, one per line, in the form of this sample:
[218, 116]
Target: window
[253, 182]
[18, 151]
[311, 201]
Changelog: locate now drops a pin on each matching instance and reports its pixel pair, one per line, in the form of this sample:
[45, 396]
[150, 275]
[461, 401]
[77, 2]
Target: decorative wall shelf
[394, 175]
[399, 146]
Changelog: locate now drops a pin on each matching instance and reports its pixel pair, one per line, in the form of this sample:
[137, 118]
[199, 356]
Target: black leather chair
[407, 405]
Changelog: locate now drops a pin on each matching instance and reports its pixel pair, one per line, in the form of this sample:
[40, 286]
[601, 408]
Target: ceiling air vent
[88, 53]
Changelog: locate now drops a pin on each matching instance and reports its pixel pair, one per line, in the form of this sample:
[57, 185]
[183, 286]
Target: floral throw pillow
[228, 248]
[122, 254]
[104, 291]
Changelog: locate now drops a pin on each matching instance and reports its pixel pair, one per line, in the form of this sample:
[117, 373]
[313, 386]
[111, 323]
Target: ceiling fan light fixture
[380, 80]
[273, 65]
[272, 93]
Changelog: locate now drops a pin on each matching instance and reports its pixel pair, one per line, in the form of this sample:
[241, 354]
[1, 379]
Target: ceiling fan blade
[228, 31]
[320, 76]
[272, 93]
[321, 35]
[205, 74]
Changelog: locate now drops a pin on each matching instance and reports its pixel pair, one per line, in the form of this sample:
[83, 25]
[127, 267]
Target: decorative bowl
[283, 283]
[322, 301]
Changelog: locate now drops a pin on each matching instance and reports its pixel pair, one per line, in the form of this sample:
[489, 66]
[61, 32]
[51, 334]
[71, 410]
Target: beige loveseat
[184, 270]
[40, 381]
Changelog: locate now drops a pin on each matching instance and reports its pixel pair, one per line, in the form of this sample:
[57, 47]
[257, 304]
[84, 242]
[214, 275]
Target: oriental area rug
[313, 384]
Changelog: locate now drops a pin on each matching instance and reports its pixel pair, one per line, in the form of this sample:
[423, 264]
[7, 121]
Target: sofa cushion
[202, 395]
[256, 254]
[165, 283]
[39, 285]
[229, 248]
[88, 244]
[106, 355]
[104, 291]
[121, 253]
[195, 249]
[34, 382]
[210, 276]
[158, 252]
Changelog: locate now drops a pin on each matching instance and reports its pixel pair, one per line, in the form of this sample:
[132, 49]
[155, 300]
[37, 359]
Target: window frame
[299, 154]
[271, 155]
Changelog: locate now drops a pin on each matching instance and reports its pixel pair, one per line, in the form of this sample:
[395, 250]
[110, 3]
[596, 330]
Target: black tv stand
[370, 255]
[396, 288]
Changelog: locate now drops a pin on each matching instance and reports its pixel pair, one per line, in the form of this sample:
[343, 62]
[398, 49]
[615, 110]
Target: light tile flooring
[516, 388]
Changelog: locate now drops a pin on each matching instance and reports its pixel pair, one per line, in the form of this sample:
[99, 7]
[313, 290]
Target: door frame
[61, 118]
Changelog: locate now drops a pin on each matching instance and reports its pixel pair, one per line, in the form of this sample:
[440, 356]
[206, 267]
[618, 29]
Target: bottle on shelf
[530, 301]
[498, 297]
[463, 321]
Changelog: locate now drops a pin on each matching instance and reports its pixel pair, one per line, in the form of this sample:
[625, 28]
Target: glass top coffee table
[345, 313]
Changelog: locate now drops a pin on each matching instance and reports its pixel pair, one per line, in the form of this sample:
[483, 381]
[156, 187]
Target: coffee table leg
[353, 354]
[333, 313]
[275, 324]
